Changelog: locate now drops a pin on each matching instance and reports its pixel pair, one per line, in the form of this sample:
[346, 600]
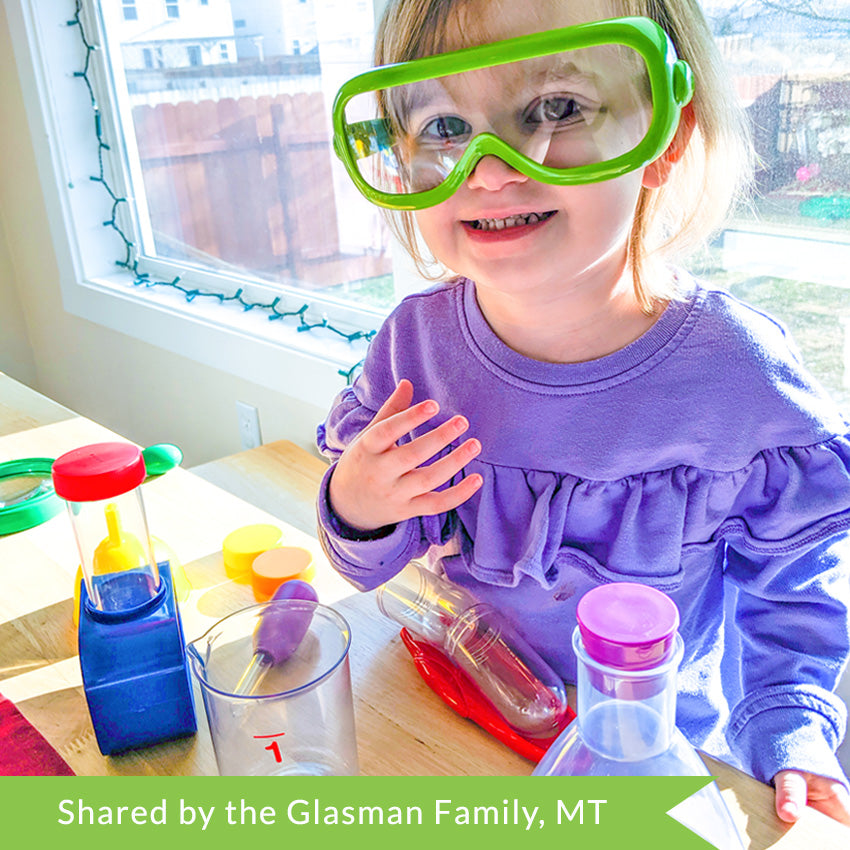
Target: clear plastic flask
[628, 651]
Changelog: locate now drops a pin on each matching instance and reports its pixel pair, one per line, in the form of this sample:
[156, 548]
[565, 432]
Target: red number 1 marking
[273, 747]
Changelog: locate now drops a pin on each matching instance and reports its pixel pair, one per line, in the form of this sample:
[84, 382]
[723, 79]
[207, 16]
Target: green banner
[369, 812]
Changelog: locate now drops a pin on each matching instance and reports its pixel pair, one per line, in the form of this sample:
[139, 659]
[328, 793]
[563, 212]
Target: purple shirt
[701, 459]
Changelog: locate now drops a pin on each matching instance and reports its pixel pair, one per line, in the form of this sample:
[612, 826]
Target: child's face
[507, 231]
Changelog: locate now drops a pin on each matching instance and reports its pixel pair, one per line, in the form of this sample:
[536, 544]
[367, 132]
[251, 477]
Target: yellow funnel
[118, 551]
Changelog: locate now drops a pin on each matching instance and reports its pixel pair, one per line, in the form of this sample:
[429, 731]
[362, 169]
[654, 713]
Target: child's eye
[557, 108]
[446, 128]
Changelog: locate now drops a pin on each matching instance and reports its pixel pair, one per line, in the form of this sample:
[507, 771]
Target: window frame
[308, 366]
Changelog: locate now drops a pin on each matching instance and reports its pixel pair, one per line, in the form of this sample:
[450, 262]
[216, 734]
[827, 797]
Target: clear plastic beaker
[299, 720]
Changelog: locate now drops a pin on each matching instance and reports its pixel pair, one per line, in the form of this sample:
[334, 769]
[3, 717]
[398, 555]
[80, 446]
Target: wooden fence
[245, 183]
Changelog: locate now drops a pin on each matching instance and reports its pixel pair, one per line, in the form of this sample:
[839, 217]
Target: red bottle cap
[99, 471]
[627, 625]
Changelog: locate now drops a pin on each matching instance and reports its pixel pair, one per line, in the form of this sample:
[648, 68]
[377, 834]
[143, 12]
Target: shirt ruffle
[781, 504]
[784, 502]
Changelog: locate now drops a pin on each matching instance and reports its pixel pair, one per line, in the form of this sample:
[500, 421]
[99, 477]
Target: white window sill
[307, 365]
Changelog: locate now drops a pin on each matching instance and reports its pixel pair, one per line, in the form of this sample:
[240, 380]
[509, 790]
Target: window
[129, 9]
[97, 270]
[232, 168]
[172, 9]
[789, 251]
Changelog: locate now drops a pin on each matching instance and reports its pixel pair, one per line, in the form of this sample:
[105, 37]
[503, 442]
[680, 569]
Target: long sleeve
[795, 639]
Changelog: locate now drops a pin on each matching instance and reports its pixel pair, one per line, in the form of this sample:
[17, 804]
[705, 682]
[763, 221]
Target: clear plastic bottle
[628, 650]
[522, 687]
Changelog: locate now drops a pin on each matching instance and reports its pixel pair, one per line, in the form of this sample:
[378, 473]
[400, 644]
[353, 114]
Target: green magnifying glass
[27, 497]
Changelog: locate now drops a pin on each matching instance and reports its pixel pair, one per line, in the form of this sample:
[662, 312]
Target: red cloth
[24, 751]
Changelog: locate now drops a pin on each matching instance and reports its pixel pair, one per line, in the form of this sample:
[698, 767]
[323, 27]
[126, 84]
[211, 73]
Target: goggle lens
[563, 111]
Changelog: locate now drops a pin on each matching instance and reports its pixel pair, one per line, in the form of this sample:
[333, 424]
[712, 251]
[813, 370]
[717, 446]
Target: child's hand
[795, 790]
[377, 482]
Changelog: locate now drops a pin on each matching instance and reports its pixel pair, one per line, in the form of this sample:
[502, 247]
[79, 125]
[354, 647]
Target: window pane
[232, 129]
[790, 63]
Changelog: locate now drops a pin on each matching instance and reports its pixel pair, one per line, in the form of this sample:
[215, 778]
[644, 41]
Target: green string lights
[131, 263]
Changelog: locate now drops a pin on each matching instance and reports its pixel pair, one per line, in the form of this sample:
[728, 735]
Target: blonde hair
[712, 171]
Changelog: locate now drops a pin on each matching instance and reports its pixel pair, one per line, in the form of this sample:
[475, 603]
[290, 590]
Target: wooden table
[402, 728]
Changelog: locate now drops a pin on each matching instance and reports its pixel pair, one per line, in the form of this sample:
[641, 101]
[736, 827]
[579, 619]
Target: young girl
[567, 409]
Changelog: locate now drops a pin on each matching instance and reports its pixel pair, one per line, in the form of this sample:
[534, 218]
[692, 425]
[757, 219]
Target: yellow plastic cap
[242, 546]
[276, 566]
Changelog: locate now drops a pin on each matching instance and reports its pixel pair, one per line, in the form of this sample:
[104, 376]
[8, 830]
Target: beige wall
[16, 357]
[145, 393]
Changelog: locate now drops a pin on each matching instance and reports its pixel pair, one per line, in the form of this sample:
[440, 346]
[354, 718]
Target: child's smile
[510, 226]
[512, 234]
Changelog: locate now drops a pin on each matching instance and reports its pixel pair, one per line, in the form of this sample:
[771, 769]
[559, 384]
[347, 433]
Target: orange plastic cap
[276, 566]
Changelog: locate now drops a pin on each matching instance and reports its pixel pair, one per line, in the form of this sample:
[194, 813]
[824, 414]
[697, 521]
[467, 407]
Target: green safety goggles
[575, 105]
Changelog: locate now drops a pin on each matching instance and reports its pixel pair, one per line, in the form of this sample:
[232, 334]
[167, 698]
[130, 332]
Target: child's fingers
[398, 400]
[441, 501]
[835, 804]
[383, 435]
[427, 478]
[791, 794]
[423, 448]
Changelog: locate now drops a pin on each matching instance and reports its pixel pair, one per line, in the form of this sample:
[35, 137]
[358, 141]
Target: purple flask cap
[282, 627]
[627, 625]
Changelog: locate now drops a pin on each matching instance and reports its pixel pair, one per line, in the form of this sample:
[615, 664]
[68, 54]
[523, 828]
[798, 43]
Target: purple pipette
[279, 633]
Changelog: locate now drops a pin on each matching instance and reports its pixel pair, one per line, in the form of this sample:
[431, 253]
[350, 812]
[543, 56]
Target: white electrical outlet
[249, 425]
